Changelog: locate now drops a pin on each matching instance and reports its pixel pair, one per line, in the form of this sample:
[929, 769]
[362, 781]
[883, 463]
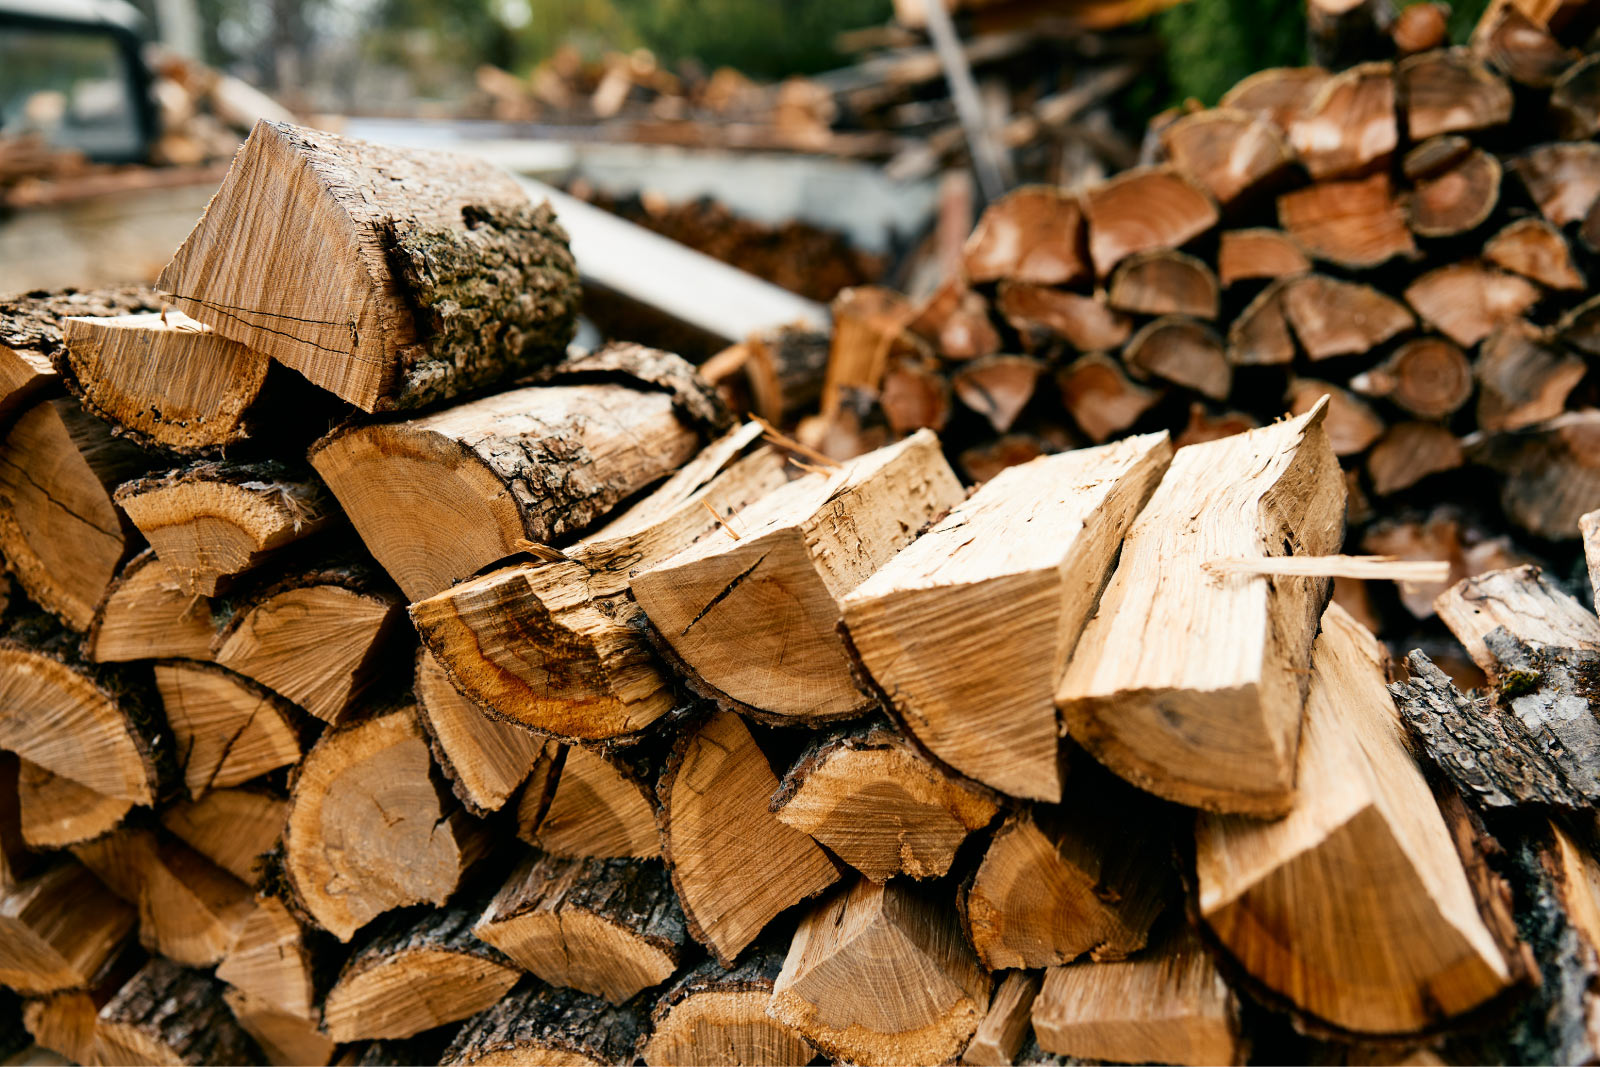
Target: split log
[1260, 335]
[1260, 252]
[1230, 154]
[190, 910]
[983, 461]
[232, 828]
[1208, 731]
[1535, 249]
[17, 859]
[997, 387]
[1169, 1005]
[1164, 282]
[437, 498]
[228, 729]
[1007, 1024]
[1204, 426]
[1143, 210]
[1435, 156]
[414, 973]
[1364, 851]
[869, 323]
[368, 829]
[1183, 352]
[992, 557]
[315, 637]
[1449, 91]
[1421, 28]
[486, 760]
[1033, 235]
[784, 368]
[210, 522]
[1438, 538]
[554, 645]
[66, 1022]
[409, 278]
[600, 806]
[61, 535]
[1520, 48]
[1563, 179]
[1356, 224]
[285, 1040]
[1044, 317]
[1548, 473]
[1350, 125]
[56, 812]
[1532, 611]
[715, 1016]
[538, 1023]
[60, 927]
[163, 379]
[1279, 94]
[752, 609]
[1429, 377]
[30, 337]
[1410, 452]
[147, 615]
[1580, 327]
[914, 395]
[734, 864]
[955, 320]
[174, 1015]
[879, 974]
[1339, 318]
[1457, 199]
[1350, 424]
[1466, 301]
[1575, 100]
[610, 927]
[866, 795]
[1524, 377]
[272, 961]
[1100, 397]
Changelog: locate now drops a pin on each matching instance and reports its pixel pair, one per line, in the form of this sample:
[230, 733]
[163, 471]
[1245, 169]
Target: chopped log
[866, 795]
[1230, 154]
[1089, 877]
[315, 637]
[1142, 210]
[410, 277]
[1429, 377]
[763, 633]
[1260, 252]
[1421, 28]
[1007, 1024]
[189, 909]
[285, 1040]
[1562, 179]
[1449, 91]
[1575, 100]
[61, 535]
[538, 1023]
[1466, 301]
[57, 812]
[719, 1017]
[1182, 351]
[1279, 94]
[1364, 850]
[1339, 318]
[414, 973]
[997, 387]
[879, 974]
[61, 926]
[65, 1022]
[784, 368]
[486, 760]
[1350, 424]
[1524, 377]
[1533, 612]
[869, 322]
[1204, 730]
[610, 927]
[735, 865]
[228, 729]
[272, 961]
[1100, 397]
[1410, 452]
[1044, 317]
[557, 645]
[147, 615]
[232, 828]
[991, 557]
[1439, 538]
[368, 830]
[1520, 48]
[173, 1015]
[1033, 235]
[1580, 327]
[1548, 473]
[30, 337]
[1535, 249]
[163, 379]
[17, 860]
[1350, 125]
[914, 395]
[210, 522]
[1204, 426]
[1260, 335]
[1164, 282]
[601, 806]
[1435, 156]
[955, 320]
[1457, 199]
[1169, 1005]
[437, 498]
[1356, 224]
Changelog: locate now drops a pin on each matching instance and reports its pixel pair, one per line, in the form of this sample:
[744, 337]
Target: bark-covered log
[540, 1023]
[173, 1015]
[145, 614]
[718, 1017]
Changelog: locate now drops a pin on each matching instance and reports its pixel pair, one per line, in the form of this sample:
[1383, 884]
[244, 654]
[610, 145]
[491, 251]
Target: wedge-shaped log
[1258, 252]
[1228, 153]
[1007, 1024]
[228, 729]
[1410, 452]
[1357, 223]
[56, 812]
[1535, 249]
[484, 758]
[368, 829]
[1466, 301]
[1184, 352]
[439, 497]
[273, 961]
[930, 626]
[1168, 1005]
[1524, 376]
[1142, 210]
[553, 644]
[1043, 316]
[408, 277]
[1549, 477]
[147, 615]
[1448, 90]
[1260, 335]
[1350, 124]
[998, 387]
[734, 864]
[607, 927]
[1212, 717]
[414, 973]
[602, 804]
[1339, 318]
[1164, 282]
[718, 1017]
[1364, 851]
[285, 1040]
[232, 828]
[540, 1023]
[1563, 179]
[1033, 235]
[752, 609]
[59, 928]
[1101, 398]
[174, 1015]
[877, 804]
[31, 337]
[879, 974]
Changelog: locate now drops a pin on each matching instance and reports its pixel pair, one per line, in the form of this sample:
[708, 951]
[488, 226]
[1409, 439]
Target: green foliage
[763, 38]
[1211, 44]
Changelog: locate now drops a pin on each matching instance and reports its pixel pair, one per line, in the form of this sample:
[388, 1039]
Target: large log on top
[390, 278]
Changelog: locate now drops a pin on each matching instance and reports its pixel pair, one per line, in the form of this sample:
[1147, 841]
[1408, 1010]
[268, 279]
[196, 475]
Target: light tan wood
[146, 615]
[64, 1023]
[1350, 124]
[1141, 210]
[1429, 377]
[1534, 249]
[879, 974]
[228, 729]
[1033, 235]
[30, 337]
[285, 1040]
[1100, 397]
[1466, 301]
[1589, 528]
[869, 324]
[719, 1018]
[1367, 568]
[271, 962]
[232, 828]
[60, 926]
[1352, 426]
[1519, 599]
[1217, 723]
[1007, 1024]
[1339, 318]
[1229, 153]
[57, 812]
[939, 627]
[1364, 851]
[1260, 252]
[1357, 223]
[752, 607]
[601, 807]
[485, 759]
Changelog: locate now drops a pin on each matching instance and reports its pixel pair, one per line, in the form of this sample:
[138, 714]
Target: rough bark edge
[662, 926]
[614, 1031]
[290, 480]
[696, 401]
